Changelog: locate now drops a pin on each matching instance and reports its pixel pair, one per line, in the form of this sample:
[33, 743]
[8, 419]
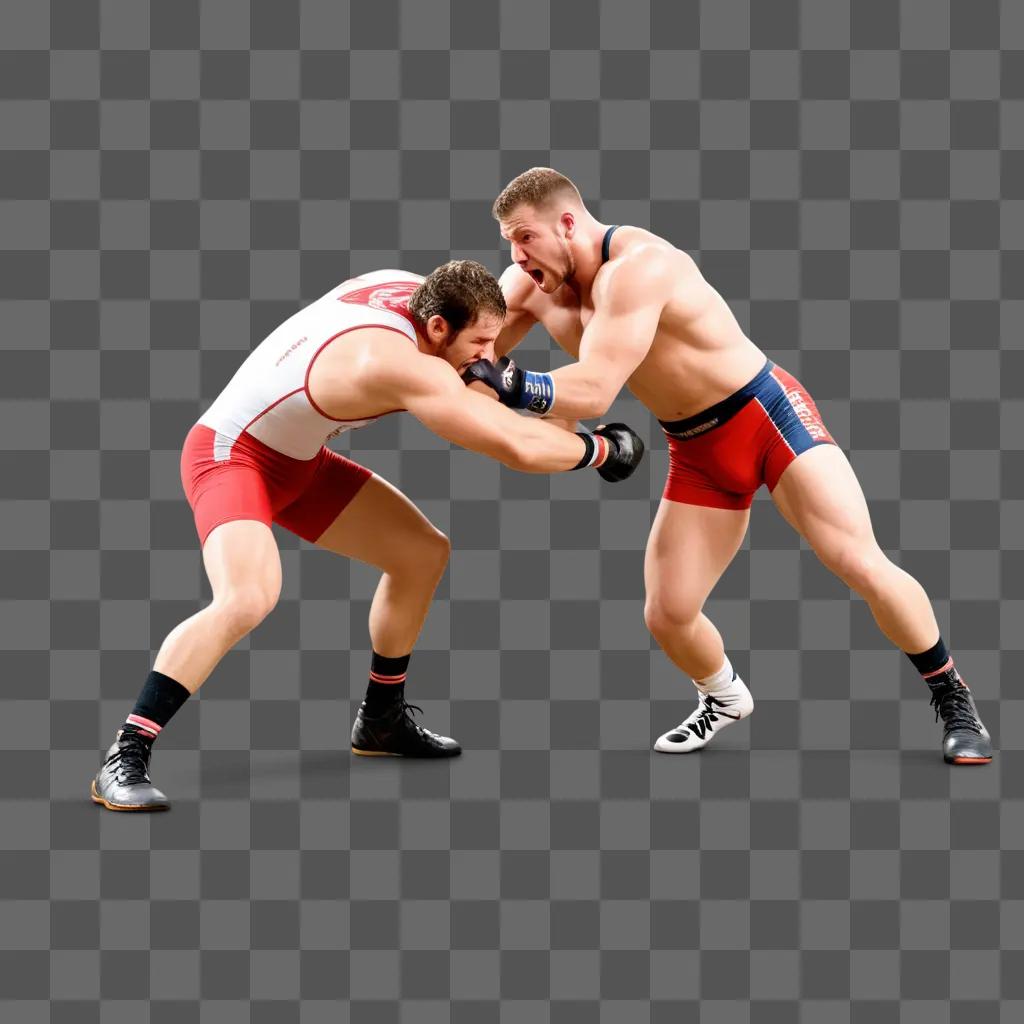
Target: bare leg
[383, 528]
[821, 498]
[689, 548]
[244, 569]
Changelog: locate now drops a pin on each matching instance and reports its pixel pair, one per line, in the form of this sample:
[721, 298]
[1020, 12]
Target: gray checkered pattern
[177, 177]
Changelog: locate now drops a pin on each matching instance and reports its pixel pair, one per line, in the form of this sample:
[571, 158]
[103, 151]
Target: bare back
[699, 354]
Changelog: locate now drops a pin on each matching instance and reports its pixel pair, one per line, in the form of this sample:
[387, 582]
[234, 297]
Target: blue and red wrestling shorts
[721, 456]
[257, 482]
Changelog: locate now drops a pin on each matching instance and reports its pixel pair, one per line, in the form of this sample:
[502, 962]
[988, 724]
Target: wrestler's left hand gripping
[509, 383]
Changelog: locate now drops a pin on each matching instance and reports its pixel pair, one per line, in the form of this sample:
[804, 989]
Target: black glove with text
[518, 389]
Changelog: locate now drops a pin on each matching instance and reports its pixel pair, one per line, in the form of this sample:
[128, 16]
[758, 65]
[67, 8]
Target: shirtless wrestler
[384, 342]
[635, 310]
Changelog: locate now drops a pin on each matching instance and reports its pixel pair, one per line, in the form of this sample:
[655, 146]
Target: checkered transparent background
[177, 177]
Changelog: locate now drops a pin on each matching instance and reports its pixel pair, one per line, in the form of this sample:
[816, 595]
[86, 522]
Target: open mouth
[537, 275]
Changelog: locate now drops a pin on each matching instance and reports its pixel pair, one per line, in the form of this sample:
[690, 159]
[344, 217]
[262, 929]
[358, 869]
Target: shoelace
[132, 762]
[406, 711]
[706, 716]
[954, 705]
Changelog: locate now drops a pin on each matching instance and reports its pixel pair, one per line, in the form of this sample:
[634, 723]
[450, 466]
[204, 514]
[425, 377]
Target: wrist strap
[538, 394]
[597, 450]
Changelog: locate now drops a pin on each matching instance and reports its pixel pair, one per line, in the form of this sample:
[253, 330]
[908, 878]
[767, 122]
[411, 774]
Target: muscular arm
[618, 336]
[434, 393]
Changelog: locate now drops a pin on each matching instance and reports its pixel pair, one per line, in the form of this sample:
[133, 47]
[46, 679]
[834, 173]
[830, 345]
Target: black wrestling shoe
[965, 740]
[122, 783]
[393, 733]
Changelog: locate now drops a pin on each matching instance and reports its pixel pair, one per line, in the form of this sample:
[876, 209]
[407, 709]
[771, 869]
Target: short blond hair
[536, 187]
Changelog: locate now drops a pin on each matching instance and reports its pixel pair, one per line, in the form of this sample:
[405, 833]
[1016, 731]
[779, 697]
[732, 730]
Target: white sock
[719, 681]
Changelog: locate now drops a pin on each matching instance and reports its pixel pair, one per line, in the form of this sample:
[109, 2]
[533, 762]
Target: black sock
[934, 662]
[158, 701]
[387, 681]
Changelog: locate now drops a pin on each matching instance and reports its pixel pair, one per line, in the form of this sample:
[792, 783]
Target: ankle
[719, 680]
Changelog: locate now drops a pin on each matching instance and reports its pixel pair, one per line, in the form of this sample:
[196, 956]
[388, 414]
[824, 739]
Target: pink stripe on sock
[939, 671]
[144, 724]
[377, 678]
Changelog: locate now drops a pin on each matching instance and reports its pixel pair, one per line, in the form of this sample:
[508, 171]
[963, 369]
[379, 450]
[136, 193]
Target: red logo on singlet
[393, 296]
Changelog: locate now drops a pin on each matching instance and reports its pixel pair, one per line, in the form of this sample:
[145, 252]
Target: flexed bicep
[615, 341]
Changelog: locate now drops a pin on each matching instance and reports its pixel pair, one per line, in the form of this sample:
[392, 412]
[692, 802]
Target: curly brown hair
[459, 290]
[537, 187]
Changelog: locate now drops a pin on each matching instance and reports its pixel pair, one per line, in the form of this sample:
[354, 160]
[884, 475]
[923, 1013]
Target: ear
[438, 333]
[568, 222]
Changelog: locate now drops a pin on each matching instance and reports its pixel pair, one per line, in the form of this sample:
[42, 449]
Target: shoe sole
[969, 760]
[97, 799]
[416, 757]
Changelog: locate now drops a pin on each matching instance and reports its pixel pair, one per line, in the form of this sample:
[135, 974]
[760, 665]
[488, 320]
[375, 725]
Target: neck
[421, 338]
[586, 251]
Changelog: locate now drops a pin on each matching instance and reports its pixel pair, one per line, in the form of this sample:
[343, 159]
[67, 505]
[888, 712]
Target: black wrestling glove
[518, 389]
[614, 450]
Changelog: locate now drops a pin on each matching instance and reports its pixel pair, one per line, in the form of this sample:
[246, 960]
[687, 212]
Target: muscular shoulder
[372, 358]
[388, 364]
[647, 269]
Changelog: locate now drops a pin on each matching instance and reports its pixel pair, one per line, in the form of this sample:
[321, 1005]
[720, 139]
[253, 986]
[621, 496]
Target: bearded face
[475, 341]
[540, 247]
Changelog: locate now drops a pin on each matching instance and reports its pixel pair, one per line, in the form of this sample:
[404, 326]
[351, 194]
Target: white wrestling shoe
[715, 712]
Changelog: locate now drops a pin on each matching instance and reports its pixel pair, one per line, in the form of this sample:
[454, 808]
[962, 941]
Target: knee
[438, 551]
[862, 566]
[242, 611]
[666, 614]
[422, 558]
[432, 553]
